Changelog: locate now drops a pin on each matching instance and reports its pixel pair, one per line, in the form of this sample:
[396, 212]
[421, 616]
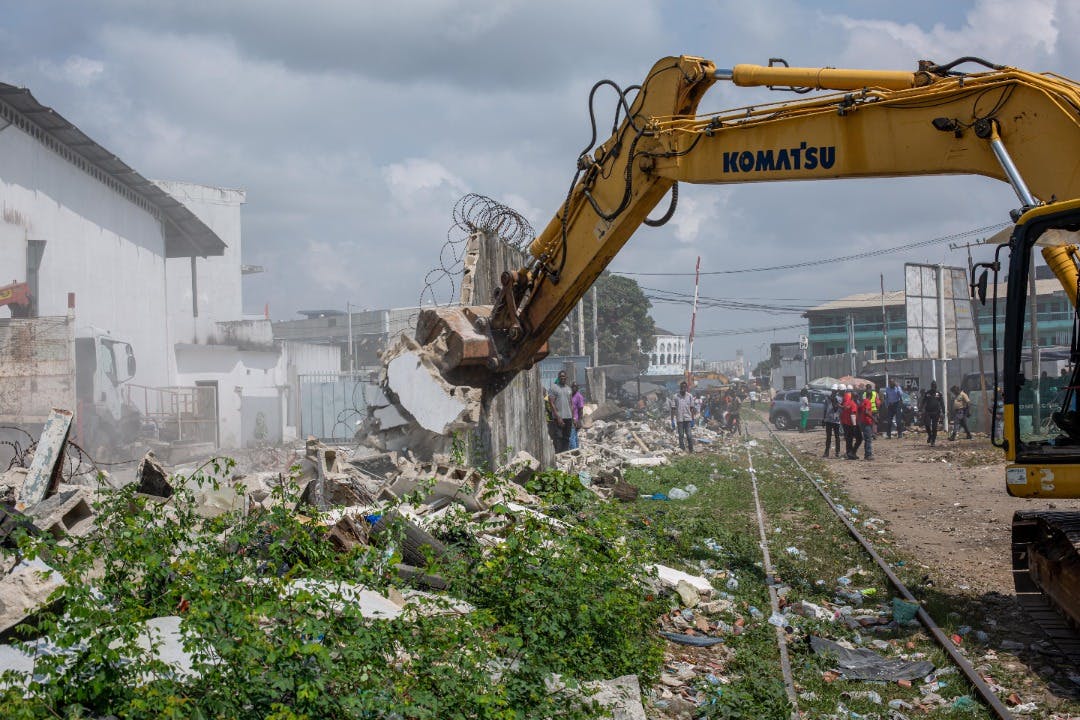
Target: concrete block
[65, 513]
[520, 468]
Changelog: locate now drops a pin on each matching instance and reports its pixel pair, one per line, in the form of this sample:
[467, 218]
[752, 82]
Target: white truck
[44, 365]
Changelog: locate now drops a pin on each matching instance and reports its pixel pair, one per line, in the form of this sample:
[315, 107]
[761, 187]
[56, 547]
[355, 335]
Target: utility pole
[352, 355]
[581, 326]
[693, 319]
[595, 337]
[944, 389]
[978, 337]
[885, 328]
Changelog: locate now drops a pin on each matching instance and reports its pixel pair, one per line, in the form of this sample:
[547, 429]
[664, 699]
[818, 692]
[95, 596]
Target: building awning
[185, 234]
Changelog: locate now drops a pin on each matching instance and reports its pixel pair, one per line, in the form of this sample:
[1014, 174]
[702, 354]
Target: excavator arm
[1004, 123]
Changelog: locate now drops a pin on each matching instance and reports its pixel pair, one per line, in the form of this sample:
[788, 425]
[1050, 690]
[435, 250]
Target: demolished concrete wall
[513, 419]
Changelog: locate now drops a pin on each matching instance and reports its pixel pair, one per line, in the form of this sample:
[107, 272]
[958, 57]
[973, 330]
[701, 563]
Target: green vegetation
[547, 601]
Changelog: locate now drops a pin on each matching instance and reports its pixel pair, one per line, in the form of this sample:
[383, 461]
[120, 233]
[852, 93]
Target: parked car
[784, 409]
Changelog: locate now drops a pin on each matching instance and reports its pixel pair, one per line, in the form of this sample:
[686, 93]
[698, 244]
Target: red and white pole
[693, 320]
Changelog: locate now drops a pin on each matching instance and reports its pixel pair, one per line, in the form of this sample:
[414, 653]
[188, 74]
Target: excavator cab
[1037, 417]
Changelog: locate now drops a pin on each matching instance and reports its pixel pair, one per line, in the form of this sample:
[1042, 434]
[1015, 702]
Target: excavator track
[1046, 574]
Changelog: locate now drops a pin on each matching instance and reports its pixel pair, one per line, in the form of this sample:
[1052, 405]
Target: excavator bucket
[458, 337]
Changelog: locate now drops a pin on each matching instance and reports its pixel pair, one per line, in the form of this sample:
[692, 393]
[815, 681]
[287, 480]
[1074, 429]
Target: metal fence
[332, 405]
[180, 414]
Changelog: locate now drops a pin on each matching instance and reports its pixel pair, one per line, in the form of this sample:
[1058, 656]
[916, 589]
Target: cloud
[355, 127]
[412, 180]
[75, 70]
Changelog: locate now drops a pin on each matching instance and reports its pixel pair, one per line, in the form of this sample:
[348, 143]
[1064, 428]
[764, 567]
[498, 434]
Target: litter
[864, 664]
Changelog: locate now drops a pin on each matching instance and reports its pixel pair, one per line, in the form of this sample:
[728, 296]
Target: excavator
[966, 117]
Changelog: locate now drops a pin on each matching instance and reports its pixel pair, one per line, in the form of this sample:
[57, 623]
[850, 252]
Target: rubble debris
[152, 478]
[11, 483]
[520, 468]
[24, 588]
[371, 604]
[421, 391]
[10, 520]
[44, 472]
[416, 544]
[66, 513]
[865, 664]
[670, 578]
[621, 695]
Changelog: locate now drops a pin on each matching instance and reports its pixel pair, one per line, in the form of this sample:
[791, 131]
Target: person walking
[932, 407]
[683, 411]
[867, 422]
[894, 409]
[849, 411]
[831, 420]
[562, 411]
[961, 412]
[804, 410]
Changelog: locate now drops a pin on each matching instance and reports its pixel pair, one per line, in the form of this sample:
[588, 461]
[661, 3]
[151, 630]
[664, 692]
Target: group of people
[720, 411]
[564, 405]
[853, 412]
[856, 413]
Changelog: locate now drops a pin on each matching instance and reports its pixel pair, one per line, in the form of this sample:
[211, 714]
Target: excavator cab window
[1041, 353]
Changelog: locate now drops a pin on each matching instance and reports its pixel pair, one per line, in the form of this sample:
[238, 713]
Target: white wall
[103, 247]
[254, 374]
[218, 279]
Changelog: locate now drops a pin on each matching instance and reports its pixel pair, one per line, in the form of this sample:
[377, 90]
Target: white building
[668, 356]
[155, 265]
[76, 219]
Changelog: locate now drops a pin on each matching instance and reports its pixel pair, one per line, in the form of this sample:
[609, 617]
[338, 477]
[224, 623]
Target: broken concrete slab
[436, 405]
[44, 473]
[520, 468]
[152, 478]
[163, 639]
[389, 417]
[371, 604]
[24, 590]
[65, 513]
[670, 578]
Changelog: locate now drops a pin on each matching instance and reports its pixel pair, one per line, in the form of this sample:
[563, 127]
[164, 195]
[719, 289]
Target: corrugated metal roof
[860, 300]
[185, 234]
[1045, 286]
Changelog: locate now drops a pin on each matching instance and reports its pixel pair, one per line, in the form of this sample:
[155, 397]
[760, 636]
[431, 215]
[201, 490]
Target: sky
[355, 126]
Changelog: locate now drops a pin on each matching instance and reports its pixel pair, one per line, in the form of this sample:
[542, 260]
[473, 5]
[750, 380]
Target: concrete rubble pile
[608, 445]
[361, 494]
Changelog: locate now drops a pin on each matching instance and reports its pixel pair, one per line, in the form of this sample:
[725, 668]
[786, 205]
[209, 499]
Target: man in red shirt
[849, 411]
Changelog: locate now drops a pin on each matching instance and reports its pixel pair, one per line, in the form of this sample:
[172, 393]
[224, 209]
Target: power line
[749, 331]
[989, 229]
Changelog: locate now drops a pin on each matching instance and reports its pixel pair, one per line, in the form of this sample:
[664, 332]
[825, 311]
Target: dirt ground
[945, 505]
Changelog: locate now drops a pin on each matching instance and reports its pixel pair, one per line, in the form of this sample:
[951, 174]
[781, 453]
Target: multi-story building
[668, 356]
[854, 322]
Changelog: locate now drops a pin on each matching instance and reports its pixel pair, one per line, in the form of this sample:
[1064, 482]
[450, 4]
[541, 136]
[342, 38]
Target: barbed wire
[471, 214]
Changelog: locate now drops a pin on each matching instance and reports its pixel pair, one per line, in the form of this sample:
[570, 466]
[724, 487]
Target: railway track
[986, 695]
